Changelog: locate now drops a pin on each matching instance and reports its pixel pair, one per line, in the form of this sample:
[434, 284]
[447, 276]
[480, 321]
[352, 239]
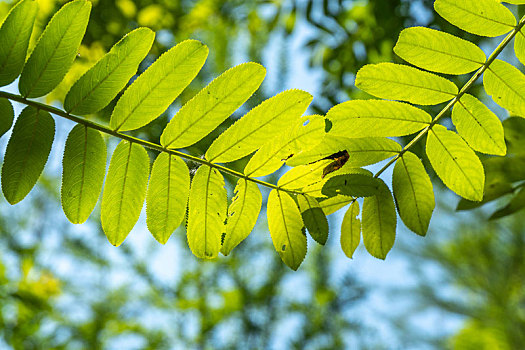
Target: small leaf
[155, 89]
[438, 51]
[252, 130]
[519, 45]
[303, 175]
[351, 230]
[516, 204]
[212, 105]
[56, 50]
[376, 118]
[413, 193]
[455, 163]
[84, 167]
[27, 153]
[124, 191]
[379, 223]
[481, 17]
[100, 84]
[506, 84]
[207, 213]
[354, 185]
[333, 204]
[286, 228]
[480, 127]
[313, 218]
[242, 214]
[7, 115]
[167, 196]
[398, 82]
[15, 33]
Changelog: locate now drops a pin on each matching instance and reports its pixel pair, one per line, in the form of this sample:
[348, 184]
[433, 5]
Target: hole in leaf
[283, 248]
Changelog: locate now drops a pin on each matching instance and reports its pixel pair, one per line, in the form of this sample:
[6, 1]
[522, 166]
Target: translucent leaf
[519, 45]
[480, 127]
[252, 131]
[242, 214]
[516, 204]
[212, 105]
[376, 118]
[27, 153]
[351, 230]
[413, 193]
[15, 33]
[7, 115]
[455, 163]
[399, 82]
[124, 191]
[56, 50]
[84, 167]
[506, 84]
[303, 175]
[313, 218]
[438, 51]
[481, 17]
[354, 185]
[101, 83]
[333, 204]
[207, 213]
[272, 155]
[286, 228]
[167, 196]
[515, 2]
[315, 189]
[155, 89]
[379, 223]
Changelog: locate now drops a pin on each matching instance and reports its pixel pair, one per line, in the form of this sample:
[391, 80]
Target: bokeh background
[63, 286]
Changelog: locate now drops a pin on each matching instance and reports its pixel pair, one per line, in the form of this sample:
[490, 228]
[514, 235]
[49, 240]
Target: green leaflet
[515, 2]
[413, 193]
[56, 50]
[167, 196]
[303, 175]
[455, 163]
[376, 118]
[242, 214]
[333, 204]
[506, 84]
[100, 84]
[7, 115]
[155, 89]
[438, 51]
[399, 82]
[84, 167]
[515, 204]
[124, 191]
[251, 131]
[15, 33]
[207, 213]
[519, 46]
[353, 185]
[315, 189]
[313, 218]
[272, 155]
[27, 153]
[481, 17]
[481, 128]
[286, 228]
[351, 230]
[212, 105]
[379, 223]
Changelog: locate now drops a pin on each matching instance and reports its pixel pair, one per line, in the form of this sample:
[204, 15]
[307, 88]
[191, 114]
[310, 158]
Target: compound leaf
[351, 230]
[506, 84]
[313, 218]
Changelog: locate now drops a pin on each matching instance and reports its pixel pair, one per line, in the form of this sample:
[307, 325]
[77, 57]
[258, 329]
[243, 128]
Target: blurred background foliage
[65, 287]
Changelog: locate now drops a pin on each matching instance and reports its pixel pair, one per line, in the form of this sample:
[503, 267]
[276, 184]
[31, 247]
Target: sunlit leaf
[333, 204]
[506, 84]
[303, 175]
[313, 218]
[519, 45]
[354, 185]
[351, 230]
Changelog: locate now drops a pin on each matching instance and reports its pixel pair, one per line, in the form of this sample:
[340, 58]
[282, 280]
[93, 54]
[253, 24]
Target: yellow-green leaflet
[207, 213]
[376, 118]
[286, 228]
[124, 191]
[303, 175]
[353, 185]
[379, 223]
[399, 82]
[479, 126]
[519, 45]
[7, 115]
[84, 167]
[506, 85]
[309, 131]
[515, 2]
[242, 214]
[27, 153]
[212, 105]
[313, 218]
[315, 189]
[56, 50]
[481, 17]
[167, 196]
[102, 82]
[15, 33]
[455, 163]
[252, 130]
[155, 89]
[438, 51]
[351, 230]
[333, 204]
[413, 193]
